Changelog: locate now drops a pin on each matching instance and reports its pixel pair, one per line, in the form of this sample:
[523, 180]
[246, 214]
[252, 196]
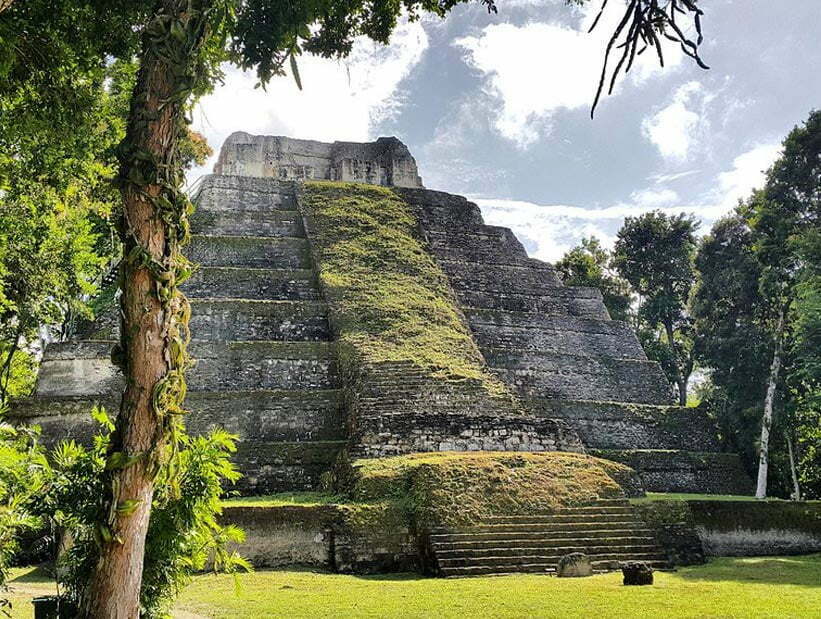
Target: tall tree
[806, 352]
[730, 337]
[182, 43]
[784, 212]
[590, 264]
[655, 253]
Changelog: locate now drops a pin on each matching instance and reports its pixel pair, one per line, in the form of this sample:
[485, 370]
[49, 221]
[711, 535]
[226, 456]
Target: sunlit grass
[727, 587]
[761, 587]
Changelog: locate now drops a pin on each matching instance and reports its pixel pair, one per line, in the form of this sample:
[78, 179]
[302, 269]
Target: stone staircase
[256, 294]
[608, 531]
[265, 360]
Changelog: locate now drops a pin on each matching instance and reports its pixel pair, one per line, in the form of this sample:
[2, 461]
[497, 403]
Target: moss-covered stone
[460, 488]
[388, 298]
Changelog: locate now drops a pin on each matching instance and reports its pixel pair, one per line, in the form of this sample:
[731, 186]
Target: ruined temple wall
[384, 162]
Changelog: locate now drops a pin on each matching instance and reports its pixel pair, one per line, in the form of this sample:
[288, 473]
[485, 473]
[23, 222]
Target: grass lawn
[283, 499]
[738, 587]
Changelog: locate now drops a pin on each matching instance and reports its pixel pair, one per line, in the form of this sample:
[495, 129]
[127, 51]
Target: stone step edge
[20, 409]
[474, 316]
[256, 239]
[276, 212]
[565, 293]
[590, 549]
[526, 559]
[628, 405]
[308, 273]
[550, 542]
[547, 570]
[487, 351]
[320, 305]
[527, 263]
[297, 350]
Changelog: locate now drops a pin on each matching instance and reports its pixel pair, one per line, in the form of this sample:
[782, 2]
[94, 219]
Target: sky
[497, 108]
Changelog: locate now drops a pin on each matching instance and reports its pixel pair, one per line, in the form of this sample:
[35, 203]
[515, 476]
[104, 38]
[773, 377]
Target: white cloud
[654, 197]
[539, 68]
[676, 129]
[748, 173]
[340, 100]
[548, 231]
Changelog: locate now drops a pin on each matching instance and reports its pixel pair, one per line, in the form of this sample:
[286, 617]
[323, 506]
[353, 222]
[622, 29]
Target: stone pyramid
[267, 366]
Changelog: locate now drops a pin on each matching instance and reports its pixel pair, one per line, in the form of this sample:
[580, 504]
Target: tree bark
[4, 4]
[681, 380]
[114, 590]
[764, 444]
[5, 373]
[796, 494]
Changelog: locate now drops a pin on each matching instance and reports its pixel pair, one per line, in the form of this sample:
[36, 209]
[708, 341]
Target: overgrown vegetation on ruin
[389, 300]
[458, 488]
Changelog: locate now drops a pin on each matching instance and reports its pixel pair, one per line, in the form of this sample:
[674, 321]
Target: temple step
[247, 223]
[253, 283]
[242, 251]
[243, 319]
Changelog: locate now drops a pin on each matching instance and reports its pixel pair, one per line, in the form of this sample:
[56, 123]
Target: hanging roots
[173, 39]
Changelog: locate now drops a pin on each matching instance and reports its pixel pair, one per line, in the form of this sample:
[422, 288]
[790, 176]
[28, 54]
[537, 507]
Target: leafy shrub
[23, 470]
[184, 535]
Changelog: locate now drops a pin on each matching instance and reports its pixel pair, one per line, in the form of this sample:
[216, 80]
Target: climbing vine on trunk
[155, 314]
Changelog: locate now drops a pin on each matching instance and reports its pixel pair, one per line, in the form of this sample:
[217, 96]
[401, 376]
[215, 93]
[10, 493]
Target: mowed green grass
[757, 587]
[727, 587]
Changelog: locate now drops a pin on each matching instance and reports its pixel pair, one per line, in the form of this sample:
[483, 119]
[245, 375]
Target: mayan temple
[548, 369]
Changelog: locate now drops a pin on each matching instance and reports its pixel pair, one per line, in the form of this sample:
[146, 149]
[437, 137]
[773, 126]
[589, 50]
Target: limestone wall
[735, 528]
[384, 162]
[322, 536]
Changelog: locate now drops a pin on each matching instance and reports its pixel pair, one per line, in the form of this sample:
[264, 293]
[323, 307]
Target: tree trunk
[796, 493]
[681, 380]
[764, 446]
[4, 4]
[147, 315]
[5, 372]
[682, 391]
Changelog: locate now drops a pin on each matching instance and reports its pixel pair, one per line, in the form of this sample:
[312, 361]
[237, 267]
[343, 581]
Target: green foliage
[61, 117]
[389, 300]
[457, 488]
[23, 470]
[765, 257]
[589, 264]
[654, 252]
[184, 535]
[730, 338]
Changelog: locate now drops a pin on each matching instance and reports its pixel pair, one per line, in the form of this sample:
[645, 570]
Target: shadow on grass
[802, 570]
[35, 575]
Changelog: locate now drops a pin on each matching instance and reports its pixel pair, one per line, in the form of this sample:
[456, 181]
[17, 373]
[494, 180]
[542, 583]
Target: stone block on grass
[574, 565]
[637, 573]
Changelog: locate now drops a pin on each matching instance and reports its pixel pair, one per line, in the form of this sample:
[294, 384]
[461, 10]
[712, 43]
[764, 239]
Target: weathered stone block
[262, 252]
[384, 162]
[248, 320]
[637, 573]
[273, 223]
[626, 425]
[253, 284]
[683, 471]
[574, 565]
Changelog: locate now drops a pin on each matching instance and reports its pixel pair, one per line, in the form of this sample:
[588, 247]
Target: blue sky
[496, 107]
